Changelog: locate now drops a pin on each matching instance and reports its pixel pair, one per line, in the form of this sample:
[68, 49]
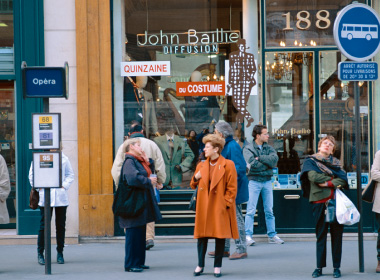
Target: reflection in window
[154, 101]
[337, 113]
[7, 142]
[289, 96]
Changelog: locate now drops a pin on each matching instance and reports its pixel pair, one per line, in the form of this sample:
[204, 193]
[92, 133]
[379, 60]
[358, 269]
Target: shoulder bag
[193, 200]
[129, 202]
[34, 198]
[368, 193]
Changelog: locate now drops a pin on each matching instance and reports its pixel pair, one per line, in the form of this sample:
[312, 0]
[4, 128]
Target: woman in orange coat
[215, 216]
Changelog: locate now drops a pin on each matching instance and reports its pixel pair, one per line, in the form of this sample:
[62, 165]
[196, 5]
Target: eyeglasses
[327, 143]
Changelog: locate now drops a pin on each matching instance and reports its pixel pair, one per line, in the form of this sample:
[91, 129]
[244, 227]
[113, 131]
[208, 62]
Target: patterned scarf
[143, 162]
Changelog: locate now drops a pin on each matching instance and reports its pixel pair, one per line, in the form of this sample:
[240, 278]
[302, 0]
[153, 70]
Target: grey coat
[260, 170]
[5, 188]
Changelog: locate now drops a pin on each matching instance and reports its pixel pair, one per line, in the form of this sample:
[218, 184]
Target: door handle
[291, 196]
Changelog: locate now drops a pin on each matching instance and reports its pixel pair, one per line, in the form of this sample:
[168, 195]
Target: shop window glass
[337, 116]
[7, 143]
[6, 37]
[290, 113]
[172, 31]
[309, 23]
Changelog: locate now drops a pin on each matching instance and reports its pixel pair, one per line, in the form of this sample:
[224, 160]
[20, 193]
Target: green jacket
[182, 156]
[260, 170]
[317, 192]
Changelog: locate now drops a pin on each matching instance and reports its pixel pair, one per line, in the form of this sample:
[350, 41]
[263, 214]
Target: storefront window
[290, 113]
[6, 37]
[196, 38]
[293, 23]
[7, 143]
[337, 115]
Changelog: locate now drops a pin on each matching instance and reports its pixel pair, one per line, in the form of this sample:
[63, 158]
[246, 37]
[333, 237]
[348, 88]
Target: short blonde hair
[215, 140]
[331, 139]
[129, 142]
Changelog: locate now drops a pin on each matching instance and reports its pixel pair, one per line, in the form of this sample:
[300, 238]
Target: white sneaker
[250, 241]
[275, 240]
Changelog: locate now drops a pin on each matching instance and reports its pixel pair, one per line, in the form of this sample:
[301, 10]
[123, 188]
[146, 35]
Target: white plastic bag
[346, 212]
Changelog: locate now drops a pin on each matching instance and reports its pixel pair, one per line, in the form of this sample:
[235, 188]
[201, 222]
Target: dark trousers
[378, 236]
[60, 225]
[135, 247]
[321, 229]
[219, 250]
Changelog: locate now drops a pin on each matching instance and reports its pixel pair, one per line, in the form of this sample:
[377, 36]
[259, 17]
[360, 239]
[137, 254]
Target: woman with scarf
[321, 174]
[136, 173]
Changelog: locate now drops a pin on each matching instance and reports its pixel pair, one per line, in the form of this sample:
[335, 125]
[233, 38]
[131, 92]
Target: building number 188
[304, 23]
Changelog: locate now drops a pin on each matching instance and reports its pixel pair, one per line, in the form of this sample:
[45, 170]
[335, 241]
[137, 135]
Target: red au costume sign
[201, 88]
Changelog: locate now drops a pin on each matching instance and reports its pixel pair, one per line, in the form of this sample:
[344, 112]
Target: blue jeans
[255, 188]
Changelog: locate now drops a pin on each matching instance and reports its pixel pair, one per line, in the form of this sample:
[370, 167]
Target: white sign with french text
[145, 68]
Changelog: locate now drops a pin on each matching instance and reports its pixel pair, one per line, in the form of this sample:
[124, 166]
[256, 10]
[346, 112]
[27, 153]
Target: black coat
[135, 175]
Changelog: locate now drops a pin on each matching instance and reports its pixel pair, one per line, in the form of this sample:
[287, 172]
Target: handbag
[368, 193]
[129, 202]
[330, 211]
[346, 212]
[34, 198]
[193, 200]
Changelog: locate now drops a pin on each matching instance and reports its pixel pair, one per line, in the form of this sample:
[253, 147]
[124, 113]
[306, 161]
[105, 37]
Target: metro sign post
[356, 33]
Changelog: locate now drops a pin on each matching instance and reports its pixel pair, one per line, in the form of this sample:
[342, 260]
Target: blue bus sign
[43, 82]
[358, 71]
[356, 32]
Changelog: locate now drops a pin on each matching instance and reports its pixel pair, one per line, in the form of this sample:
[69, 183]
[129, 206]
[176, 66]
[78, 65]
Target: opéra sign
[190, 41]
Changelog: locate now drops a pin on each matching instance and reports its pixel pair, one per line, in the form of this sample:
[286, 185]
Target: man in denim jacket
[261, 159]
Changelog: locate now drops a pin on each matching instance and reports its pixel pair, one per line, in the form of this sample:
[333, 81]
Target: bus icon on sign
[359, 31]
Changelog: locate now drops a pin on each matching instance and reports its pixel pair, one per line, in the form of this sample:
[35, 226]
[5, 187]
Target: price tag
[46, 161]
[46, 122]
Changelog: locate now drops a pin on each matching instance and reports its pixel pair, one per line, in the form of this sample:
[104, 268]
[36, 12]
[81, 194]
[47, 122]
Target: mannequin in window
[178, 157]
[200, 111]
[139, 105]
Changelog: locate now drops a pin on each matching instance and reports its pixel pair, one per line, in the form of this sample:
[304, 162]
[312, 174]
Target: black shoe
[317, 272]
[218, 275]
[134, 269]
[60, 258]
[144, 266]
[337, 273]
[149, 244]
[198, 273]
[41, 259]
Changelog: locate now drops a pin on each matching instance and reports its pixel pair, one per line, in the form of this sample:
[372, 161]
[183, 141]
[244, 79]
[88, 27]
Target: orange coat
[212, 218]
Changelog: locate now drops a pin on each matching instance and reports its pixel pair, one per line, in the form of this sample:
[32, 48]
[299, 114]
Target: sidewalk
[177, 260]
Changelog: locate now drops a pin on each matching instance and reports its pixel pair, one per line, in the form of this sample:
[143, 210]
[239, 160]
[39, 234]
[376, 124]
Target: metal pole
[47, 212]
[358, 174]
[47, 233]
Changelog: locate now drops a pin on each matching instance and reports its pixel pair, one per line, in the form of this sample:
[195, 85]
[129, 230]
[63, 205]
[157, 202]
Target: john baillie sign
[188, 42]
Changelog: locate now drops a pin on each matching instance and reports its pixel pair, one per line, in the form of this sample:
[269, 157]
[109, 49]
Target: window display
[7, 144]
[197, 38]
